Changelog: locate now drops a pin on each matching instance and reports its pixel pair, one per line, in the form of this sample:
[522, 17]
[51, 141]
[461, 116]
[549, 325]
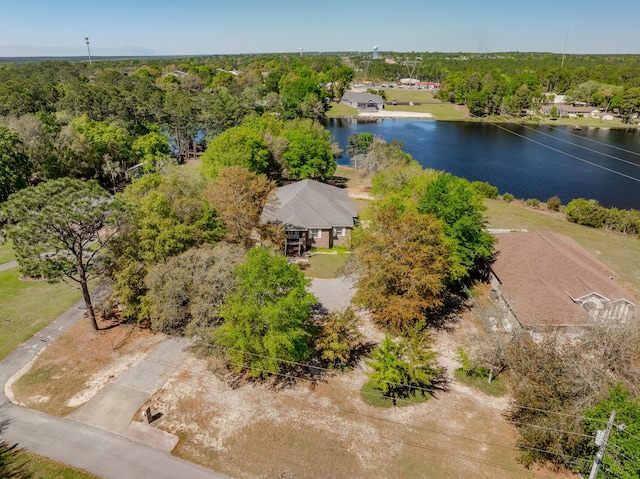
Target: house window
[339, 231]
[315, 233]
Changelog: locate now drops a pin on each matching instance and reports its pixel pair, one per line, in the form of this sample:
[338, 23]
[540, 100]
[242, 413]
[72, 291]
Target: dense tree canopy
[186, 291]
[454, 201]
[15, 166]
[168, 216]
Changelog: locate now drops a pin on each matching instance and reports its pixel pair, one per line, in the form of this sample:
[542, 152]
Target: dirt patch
[326, 430]
[80, 364]
[306, 430]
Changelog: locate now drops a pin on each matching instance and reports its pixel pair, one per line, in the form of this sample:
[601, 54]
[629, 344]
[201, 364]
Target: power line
[567, 154]
[584, 147]
[371, 394]
[330, 371]
[561, 413]
[566, 132]
[355, 412]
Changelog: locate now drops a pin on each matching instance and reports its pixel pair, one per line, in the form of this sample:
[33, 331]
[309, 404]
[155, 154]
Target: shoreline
[408, 115]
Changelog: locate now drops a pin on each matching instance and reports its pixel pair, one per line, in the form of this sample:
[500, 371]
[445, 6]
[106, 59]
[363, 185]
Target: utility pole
[601, 441]
[565, 48]
[86, 39]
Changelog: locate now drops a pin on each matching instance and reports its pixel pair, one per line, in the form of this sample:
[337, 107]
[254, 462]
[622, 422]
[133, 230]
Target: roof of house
[311, 204]
[362, 97]
[542, 273]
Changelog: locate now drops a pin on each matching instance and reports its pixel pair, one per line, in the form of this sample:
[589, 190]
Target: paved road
[95, 450]
[9, 265]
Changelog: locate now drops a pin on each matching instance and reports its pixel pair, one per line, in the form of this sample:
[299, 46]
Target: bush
[508, 197]
[533, 202]
[554, 203]
[586, 212]
[484, 189]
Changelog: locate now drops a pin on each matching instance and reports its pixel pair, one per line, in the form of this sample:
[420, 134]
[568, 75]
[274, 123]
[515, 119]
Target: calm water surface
[526, 161]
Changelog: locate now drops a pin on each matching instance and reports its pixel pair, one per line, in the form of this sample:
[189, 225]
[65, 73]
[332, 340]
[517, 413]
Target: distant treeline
[71, 119]
[512, 83]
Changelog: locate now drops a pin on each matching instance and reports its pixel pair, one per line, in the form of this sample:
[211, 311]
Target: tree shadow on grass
[12, 463]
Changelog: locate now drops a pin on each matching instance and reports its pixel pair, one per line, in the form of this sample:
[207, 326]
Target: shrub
[586, 212]
[533, 202]
[554, 203]
[508, 197]
[484, 189]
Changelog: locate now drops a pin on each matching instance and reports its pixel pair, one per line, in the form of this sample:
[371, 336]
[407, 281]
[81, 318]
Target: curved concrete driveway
[95, 450]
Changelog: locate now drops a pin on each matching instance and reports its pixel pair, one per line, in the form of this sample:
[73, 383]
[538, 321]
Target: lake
[524, 160]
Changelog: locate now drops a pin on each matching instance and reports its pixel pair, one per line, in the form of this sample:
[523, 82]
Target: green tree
[308, 153]
[405, 367]
[168, 216]
[151, 150]
[298, 92]
[622, 458]
[186, 291]
[454, 201]
[108, 150]
[338, 338]
[402, 266]
[585, 212]
[239, 146]
[59, 228]
[15, 165]
[421, 359]
[267, 321]
[358, 143]
[390, 373]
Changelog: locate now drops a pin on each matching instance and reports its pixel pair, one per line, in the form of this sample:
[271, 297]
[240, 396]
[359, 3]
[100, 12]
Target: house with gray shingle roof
[363, 101]
[314, 214]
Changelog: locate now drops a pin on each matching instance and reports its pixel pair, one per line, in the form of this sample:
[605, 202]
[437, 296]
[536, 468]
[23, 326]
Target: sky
[201, 27]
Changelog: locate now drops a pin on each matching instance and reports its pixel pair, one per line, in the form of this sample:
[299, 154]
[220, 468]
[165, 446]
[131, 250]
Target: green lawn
[619, 252]
[428, 104]
[23, 464]
[338, 110]
[399, 94]
[28, 306]
[6, 252]
[325, 265]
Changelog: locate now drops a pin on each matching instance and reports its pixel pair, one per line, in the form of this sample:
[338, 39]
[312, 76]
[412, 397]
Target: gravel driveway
[333, 294]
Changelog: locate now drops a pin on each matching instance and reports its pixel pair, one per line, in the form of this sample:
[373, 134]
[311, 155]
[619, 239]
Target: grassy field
[338, 110]
[428, 104]
[23, 464]
[28, 306]
[325, 265]
[619, 252]
[6, 252]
